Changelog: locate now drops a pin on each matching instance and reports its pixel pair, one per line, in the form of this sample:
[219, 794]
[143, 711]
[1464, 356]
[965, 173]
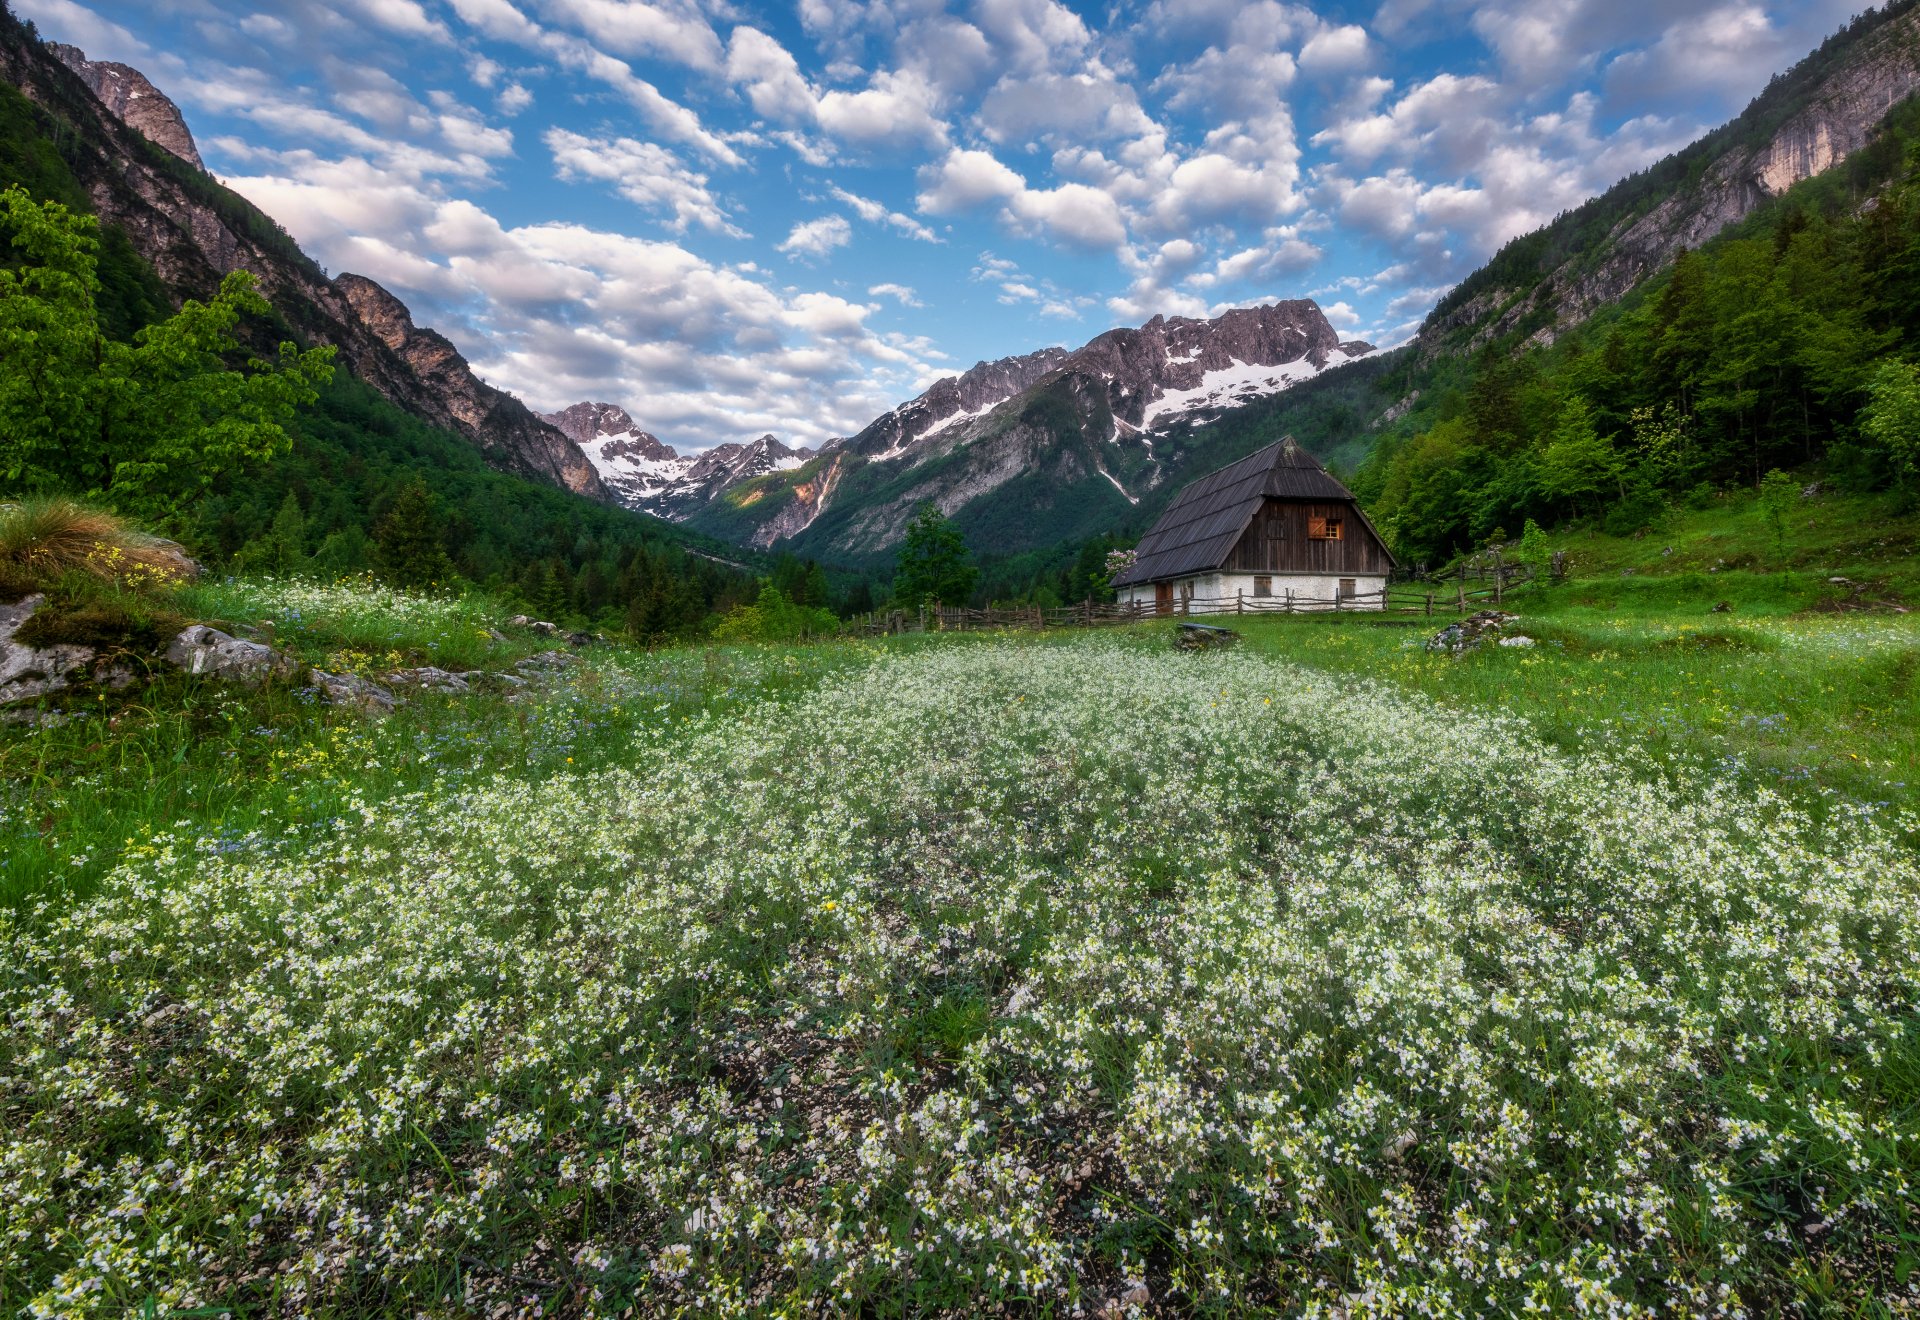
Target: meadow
[1055, 973]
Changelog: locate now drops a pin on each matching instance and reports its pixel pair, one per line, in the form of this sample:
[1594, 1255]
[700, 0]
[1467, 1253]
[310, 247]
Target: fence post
[1429, 604]
[1460, 593]
[1499, 576]
[1289, 600]
[1239, 600]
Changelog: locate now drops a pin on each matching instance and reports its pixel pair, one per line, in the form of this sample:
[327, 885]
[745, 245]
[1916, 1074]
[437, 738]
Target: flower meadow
[1083, 978]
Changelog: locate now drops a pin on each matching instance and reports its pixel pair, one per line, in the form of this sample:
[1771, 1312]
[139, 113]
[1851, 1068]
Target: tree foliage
[934, 564]
[1768, 348]
[143, 425]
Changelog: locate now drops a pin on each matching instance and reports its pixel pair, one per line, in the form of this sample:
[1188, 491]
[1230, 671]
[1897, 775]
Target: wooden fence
[1449, 594]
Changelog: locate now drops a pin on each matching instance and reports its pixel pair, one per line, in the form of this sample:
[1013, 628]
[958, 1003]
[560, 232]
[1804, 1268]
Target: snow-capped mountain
[646, 474]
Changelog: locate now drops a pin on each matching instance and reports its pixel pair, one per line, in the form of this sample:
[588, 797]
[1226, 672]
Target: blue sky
[738, 218]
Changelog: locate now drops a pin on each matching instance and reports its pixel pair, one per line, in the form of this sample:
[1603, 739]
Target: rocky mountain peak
[134, 101]
[581, 422]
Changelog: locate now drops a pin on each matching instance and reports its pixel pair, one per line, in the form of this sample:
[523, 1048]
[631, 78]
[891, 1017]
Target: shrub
[44, 540]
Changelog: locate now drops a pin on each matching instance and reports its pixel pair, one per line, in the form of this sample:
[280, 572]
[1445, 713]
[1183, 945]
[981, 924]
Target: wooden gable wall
[1276, 541]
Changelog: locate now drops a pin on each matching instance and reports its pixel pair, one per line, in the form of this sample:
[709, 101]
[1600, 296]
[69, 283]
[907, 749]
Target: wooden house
[1273, 527]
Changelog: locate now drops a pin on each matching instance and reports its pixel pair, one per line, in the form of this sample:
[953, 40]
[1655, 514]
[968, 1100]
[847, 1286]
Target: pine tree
[407, 547]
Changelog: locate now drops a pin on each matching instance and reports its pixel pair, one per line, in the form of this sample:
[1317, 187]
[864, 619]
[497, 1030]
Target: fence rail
[1438, 596]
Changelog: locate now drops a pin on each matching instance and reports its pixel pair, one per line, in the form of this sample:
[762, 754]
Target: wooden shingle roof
[1203, 524]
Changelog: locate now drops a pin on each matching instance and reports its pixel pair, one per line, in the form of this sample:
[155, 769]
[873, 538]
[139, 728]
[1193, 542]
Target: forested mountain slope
[1809, 118]
[503, 482]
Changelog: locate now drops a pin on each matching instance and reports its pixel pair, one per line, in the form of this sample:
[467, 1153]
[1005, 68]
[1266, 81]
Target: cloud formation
[737, 219]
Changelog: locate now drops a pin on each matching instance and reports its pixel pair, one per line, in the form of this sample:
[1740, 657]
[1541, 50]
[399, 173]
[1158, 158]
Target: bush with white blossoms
[1035, 975]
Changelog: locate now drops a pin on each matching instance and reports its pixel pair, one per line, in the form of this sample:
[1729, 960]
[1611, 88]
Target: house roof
[1203, 524]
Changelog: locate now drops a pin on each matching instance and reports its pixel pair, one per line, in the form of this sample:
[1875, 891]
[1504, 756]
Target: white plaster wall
[1215, 592]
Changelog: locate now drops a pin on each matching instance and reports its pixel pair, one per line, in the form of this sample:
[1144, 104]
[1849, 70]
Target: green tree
[1533, 550]
[1891, 419]
[143, 426]
[1778, 491]
[407, 549]
[934, 564]
[1579, 465]
[283, 548]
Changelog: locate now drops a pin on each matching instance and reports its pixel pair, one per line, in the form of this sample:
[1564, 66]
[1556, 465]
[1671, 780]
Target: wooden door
[1163, 598]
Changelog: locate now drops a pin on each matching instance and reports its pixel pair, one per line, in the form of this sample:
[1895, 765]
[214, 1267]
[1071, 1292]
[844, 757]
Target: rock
[488, 682]
[1401, 1142]
[1470, 632]
[133, 100]
[494, 634]
[1722, 607]
[1204, 637]
[1666, 552]
[1840, 581]
[39, 719]
[544, 660]
[428, 679]
[531, 624]
[1812, 489]
[1518, 639]
[362, 694]
[580, 639]
[27, 672]
[214, 654]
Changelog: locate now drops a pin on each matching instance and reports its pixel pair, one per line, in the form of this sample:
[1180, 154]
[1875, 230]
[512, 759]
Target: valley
[583, 764]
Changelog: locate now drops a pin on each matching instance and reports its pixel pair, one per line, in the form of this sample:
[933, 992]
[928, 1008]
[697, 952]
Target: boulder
[428, 679]
[26, 671]
[350, 690]
[1204, 637]
[1471, 632]
[501, 682]
[540, 626]
[1518, 639]
[544, 660]
[210, 652]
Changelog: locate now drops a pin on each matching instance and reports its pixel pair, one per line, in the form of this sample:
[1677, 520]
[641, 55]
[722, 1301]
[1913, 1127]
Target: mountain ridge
[192, 231]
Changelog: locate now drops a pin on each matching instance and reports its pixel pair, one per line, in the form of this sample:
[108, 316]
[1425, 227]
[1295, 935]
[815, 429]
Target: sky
[733, 218]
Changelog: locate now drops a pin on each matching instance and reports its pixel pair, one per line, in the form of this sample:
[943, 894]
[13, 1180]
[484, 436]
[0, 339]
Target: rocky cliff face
[193, 232]
[137, 103]
[954, 400]
[443, 390]
[1834, 114]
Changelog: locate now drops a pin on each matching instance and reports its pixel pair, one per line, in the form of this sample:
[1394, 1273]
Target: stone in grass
[531, 624]
[544, 660]
[491, 682]
[1470, 632]
[1518, 639]
[355, 693]
[27, 672]
[429, 679]
[214, 654]
[1204, 637]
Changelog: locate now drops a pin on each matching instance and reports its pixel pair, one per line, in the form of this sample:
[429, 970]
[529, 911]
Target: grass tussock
[45, 540]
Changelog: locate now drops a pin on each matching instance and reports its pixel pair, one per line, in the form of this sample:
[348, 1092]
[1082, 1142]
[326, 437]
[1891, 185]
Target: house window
[1323, 529]
[1347, 591]
[1263, 586]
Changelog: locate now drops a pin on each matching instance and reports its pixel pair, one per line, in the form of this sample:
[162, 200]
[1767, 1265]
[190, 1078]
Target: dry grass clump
[44, 540]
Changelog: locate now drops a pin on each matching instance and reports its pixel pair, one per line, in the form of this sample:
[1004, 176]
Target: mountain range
[1032, 450]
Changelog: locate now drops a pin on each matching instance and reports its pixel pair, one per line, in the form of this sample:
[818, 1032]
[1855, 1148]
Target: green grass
[233, 763]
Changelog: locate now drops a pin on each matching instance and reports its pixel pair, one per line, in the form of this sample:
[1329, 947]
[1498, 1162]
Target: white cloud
[816, 238]
[964, 180]
[900, 293]
[646, 174]
[1335, 50]
[500, 20]
[633, 27]
[1074, 213]
[874, 213]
